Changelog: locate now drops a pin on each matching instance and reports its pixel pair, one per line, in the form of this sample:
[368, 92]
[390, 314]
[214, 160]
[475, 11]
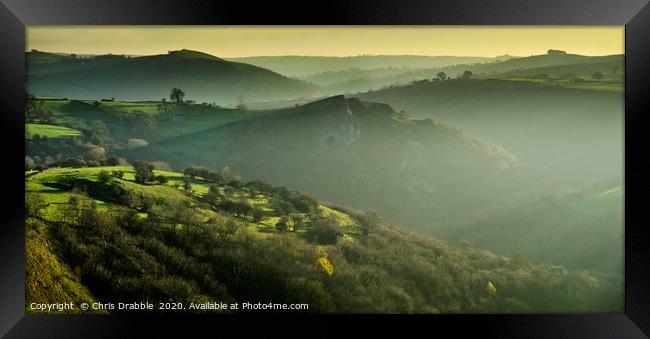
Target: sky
[239, 41]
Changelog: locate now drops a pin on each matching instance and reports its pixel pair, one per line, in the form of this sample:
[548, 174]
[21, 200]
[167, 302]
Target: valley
[369, 184]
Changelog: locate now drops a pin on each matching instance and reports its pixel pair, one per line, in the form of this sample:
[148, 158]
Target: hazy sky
[235, 41]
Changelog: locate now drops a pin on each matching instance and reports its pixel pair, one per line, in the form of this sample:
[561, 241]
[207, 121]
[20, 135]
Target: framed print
[478, 168]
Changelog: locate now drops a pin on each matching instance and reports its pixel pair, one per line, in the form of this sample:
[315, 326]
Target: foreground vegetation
[124, 234]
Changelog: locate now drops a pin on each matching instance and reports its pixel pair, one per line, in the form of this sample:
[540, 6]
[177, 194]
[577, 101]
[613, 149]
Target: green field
[604, 86]
[115, 114]
[55, 184]
[51, 131]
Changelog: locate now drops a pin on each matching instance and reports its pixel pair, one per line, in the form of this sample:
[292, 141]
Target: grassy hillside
[118, 116]
[548, 227]
[131, 241]
[359, 153]
[203, 77]
[548, 65]
[50, 131]
[612, 66]
[47, 279]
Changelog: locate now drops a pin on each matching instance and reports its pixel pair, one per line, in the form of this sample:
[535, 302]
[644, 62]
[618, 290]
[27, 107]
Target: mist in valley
[479, 152]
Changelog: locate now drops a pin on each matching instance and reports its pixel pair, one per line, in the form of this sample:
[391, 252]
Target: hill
[50, 131]
[304, 66]
[364, 154]
[612, 66]
[548, 227]
[205, 78]
[129, 240]
[567, 132]
[553, 65]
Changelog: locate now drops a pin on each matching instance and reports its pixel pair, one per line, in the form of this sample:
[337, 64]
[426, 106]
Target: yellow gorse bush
[490, 288]
[325, 265]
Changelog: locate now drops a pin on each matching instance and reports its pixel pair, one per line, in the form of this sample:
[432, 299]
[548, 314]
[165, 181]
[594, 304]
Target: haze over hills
[566, 132]
[305, 66]
[554, 63]
[159, 242]
[368, 155]
[208, 78]
[519, 156]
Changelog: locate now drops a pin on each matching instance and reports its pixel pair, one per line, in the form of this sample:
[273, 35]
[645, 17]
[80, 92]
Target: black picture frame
[634, 14]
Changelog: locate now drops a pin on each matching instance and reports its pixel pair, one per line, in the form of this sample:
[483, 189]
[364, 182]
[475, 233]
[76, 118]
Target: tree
[226, 173]
[103, 176]
[297, 222]
[165, 110]
[441, 76]
[242, 208]
[143, 171]
[597, 75]
[118, 174]
[176, 95]
[97, 153]
[112, 161]
[161, 179]
[283, 224]
[33, 107]
[325, 231]
[190, 172]
[187, 185]
[29, 163]
[213, 194]
[556, 52]
[467, 75]
[568, 76]
[257, 214]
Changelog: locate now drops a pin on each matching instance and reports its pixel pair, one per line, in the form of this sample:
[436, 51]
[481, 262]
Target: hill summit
[360, 153]
[203, 77]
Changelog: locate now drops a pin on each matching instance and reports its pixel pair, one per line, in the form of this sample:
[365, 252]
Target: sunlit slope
[181, 247]
[359, 153]
[118, 115]
[47, 279]
[50, 131]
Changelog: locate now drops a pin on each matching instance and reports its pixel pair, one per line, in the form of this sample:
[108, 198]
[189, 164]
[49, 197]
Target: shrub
[104, 176]
[161, 179]
[257, 214]
[324, 231]
[143, 171]
[282, 225]
[34, 204]
[213, 195]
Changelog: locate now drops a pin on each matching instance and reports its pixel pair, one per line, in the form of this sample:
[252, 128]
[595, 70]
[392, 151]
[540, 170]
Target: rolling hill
[100, 235]
[568, 133]
[304, 66]
[359, 153]
[553, 65]
[205, 78]
[554, 62]
[548, 227]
